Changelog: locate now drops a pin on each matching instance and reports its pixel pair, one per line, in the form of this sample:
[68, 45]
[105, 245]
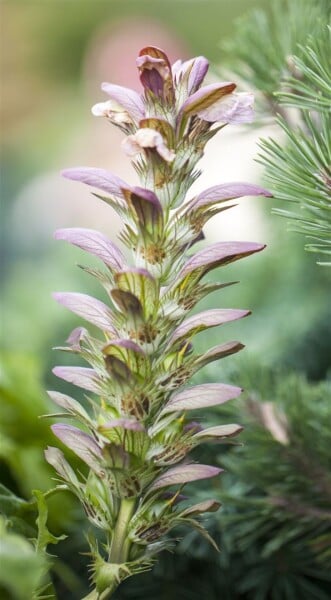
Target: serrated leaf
[45, 537]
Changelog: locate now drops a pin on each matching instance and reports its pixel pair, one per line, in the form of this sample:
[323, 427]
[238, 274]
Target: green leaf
[45, 537]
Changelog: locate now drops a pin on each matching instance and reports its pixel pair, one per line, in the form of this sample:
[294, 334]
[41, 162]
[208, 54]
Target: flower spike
[134, 445]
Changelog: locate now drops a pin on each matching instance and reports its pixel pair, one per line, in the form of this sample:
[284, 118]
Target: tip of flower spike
[151, 50]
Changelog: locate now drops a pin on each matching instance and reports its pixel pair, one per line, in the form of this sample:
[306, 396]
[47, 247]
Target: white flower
[147, 138]
[112, 111]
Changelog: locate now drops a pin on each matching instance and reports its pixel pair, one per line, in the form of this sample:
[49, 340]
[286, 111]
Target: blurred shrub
[24, 435]
[21, 569]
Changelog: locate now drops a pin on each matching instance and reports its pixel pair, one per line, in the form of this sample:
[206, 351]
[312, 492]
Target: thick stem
[120, 543]
[105, 595]
[120, 546]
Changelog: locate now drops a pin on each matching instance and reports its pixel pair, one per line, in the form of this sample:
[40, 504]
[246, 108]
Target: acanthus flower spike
[135, 441]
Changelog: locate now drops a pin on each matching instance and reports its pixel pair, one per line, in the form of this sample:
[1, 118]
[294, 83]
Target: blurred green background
[55, 53]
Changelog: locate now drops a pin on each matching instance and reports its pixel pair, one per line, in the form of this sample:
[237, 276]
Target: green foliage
[21, 569]
[285, 464]
[21, 513]
[294, 72]
[23, 436]
[22, 403]
[300, 171]
[261, 49]
[45, 537]
[309, 86]
[24, 530]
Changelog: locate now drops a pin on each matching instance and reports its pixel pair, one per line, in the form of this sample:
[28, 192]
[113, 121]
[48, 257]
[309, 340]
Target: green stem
[105, 595]
[120, 545]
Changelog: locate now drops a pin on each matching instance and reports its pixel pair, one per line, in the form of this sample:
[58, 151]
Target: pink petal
[99, 178]
[88, 308]
[227, 191]
[76, 337]
[218, 254]
[184, 474]
[55, 458]
[130, 100]
[127, 344]
[220, 431]
[68, 403]
[197, 74]
[201, 507]
[202, 396]
[80, 376]
[82, 444]
[206, 97]
[95, 243]
[219, 352]
[145, 138]
[193, 70]
[123, 423]
[206, 319]
[155, 73]
[234, 108]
